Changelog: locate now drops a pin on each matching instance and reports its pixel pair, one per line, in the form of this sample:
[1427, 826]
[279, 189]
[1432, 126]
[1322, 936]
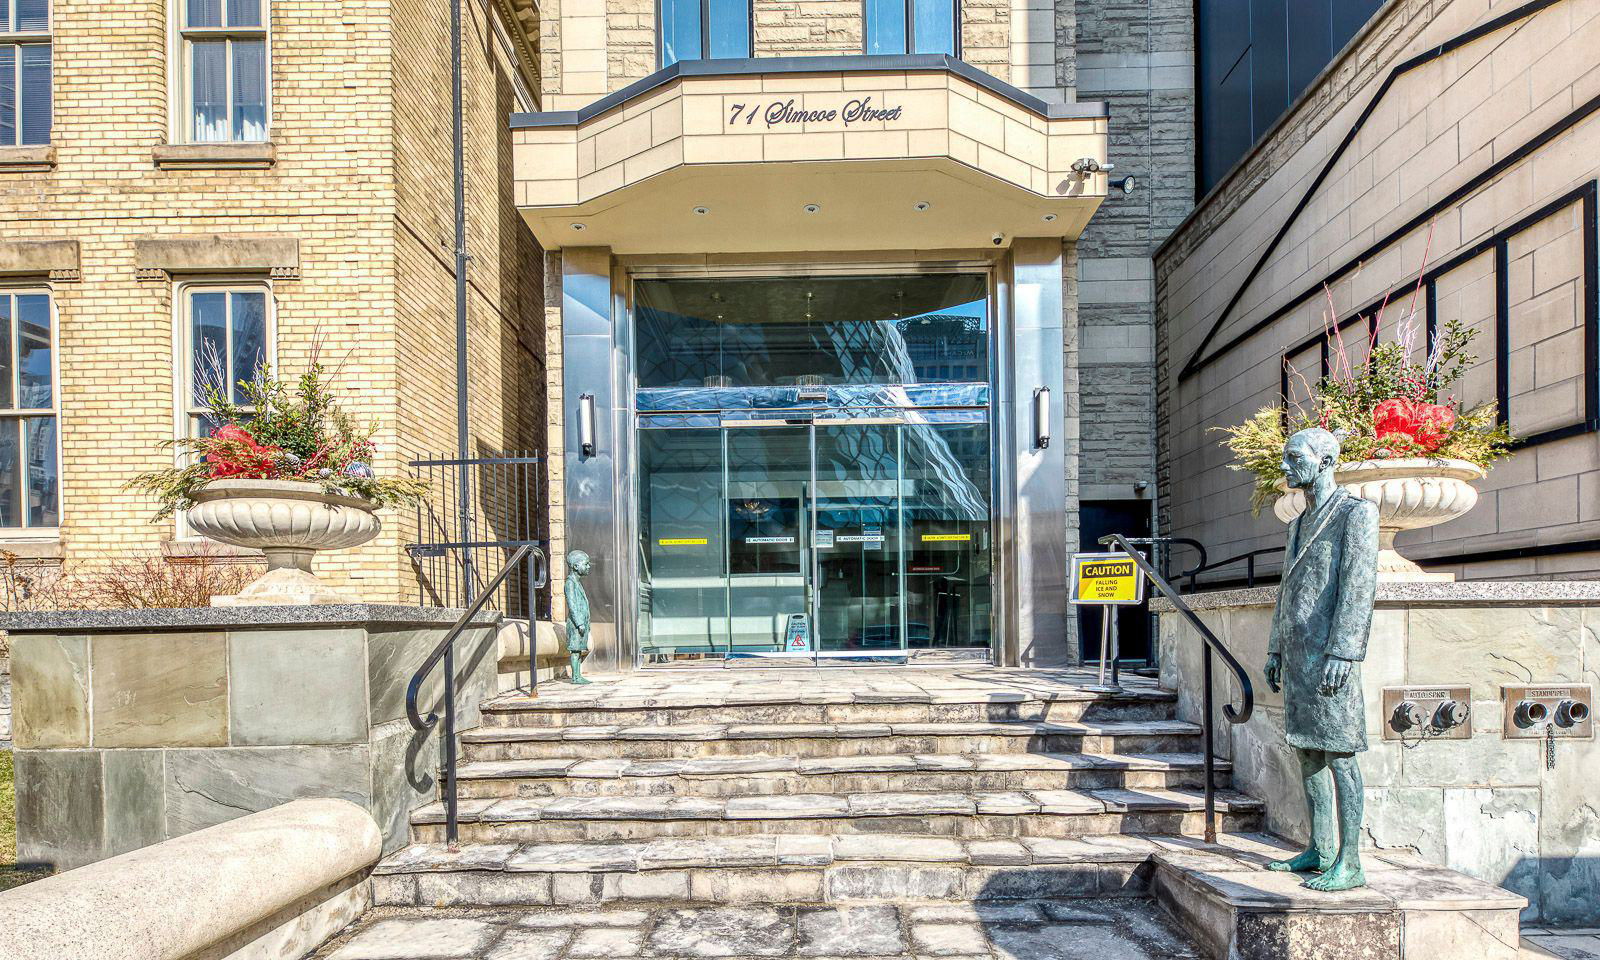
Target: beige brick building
[313, 205]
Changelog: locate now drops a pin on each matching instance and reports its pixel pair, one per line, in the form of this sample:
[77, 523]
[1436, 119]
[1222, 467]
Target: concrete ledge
[1238, 910]
[202, 156]
[283, 876]
[55, 259]
[322, 614]
[29, 159]
[1500, 593]
[159, 257]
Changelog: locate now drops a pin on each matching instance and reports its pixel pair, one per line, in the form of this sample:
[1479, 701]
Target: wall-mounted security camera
[1087, 165]
[998, 238]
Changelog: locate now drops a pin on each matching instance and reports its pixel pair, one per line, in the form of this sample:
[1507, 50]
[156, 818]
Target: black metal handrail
[1247, 696]
[445, 652]
[1249, 566]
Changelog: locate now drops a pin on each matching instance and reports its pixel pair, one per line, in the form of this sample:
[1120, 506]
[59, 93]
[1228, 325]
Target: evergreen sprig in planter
[285, 472]
[1408, 444]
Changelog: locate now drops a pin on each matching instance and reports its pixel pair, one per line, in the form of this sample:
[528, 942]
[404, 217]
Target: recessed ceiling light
[701, 211]
[813, 208]
[921, 205]
[580, 226]
[1049, 218]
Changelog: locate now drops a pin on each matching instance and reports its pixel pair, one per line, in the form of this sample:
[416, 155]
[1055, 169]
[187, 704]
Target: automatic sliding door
[948, 554]
[768, 516]
[859, 564]
[683, 577]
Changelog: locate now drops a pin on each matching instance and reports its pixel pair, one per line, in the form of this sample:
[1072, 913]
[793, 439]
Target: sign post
[1107, 580]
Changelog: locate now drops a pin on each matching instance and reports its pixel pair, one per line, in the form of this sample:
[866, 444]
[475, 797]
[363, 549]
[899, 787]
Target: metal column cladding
[588, 345]
[1039, 511]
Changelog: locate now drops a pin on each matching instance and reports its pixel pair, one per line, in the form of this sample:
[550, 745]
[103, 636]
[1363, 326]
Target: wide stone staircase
[826, 786]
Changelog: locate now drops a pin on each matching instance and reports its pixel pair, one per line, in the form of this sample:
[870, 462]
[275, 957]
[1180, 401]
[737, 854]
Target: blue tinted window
[886, 26]
[728, 35]
[934, 23]
[932, 27]
[704, 29]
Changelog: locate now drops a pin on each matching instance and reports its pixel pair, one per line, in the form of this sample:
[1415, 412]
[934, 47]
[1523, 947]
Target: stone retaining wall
[133, 727]
[1485, 806]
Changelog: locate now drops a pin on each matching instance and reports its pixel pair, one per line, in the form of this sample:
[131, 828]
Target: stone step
[811, 740]
[765, 775]
[981, 815]
[770, 868]
[976, 705]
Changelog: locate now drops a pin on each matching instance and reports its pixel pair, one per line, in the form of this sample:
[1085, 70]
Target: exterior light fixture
[586, 424]
[1049, 218]
[921, 206]
[701, 211]
[813, 208]
[1041, 418]
[580, 226]
[1125, 184]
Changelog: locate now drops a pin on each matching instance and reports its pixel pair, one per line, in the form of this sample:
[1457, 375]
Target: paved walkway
[1543, 944]
[1121, 929]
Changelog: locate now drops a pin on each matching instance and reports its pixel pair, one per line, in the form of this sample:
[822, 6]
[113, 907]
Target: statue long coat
[1325, 609]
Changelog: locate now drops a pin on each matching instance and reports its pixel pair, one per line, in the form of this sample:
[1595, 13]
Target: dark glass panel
[11, 471]
[34, 104]
[7, 373]
[249, 90]
[33, 16]
[204, 13]
[682, 574]
[34, 369]
[8, 95]
[934, 22]
[244, 13]
[208, 313]
[209, 90]
[249, 339]
[43, 490]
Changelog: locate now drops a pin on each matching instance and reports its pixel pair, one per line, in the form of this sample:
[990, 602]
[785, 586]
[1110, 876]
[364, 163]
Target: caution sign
[797, 634]
[1106, 578]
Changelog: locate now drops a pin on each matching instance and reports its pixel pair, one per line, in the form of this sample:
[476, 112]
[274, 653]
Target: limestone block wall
[358, 179]
[1485, 806]
[1487, 147]
[133, 727]
[1139, 59]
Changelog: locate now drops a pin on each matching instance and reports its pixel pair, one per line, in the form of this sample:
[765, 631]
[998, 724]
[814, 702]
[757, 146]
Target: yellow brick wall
[360, 189]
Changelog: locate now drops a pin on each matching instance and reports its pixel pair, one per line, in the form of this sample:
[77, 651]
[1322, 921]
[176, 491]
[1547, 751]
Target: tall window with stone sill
[228, 335]
[225, 70]
[30, 470]
[25, 58]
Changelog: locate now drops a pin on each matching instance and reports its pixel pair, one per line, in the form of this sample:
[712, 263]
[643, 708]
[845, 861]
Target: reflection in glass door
[830, 538]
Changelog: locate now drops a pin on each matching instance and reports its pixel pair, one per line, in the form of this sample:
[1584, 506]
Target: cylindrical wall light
[1041, 418]
[586, 424]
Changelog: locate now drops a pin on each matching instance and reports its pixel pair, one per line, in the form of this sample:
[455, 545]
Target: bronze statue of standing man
[1319, 638]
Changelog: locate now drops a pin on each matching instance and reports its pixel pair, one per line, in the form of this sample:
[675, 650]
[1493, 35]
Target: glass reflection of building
[815, 448]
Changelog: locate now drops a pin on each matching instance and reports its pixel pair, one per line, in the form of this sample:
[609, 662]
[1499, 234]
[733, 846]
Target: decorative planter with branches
[285, 472]
[1408, 444]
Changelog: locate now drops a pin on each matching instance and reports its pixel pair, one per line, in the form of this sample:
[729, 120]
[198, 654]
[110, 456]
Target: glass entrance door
[831, 538]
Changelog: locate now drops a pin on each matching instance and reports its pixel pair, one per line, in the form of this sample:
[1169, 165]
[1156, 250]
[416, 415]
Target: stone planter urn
[289, 521]
[1411, 493]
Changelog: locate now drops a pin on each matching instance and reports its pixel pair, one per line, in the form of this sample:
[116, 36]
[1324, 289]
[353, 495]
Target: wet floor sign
[1106, 578]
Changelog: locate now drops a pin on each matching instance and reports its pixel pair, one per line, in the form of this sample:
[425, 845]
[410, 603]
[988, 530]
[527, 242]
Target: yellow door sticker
[1105, 580]
[945, 537]
[682, 541]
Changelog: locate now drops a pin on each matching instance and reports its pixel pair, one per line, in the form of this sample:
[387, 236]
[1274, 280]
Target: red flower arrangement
[1425, 424]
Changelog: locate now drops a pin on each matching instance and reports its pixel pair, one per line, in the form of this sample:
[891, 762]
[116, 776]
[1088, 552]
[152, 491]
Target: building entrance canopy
[813, 153]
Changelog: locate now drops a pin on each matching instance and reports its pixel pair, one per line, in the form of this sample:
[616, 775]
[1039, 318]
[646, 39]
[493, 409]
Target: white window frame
[20, 39]
[25, 532]
[181, 127]
[183, 407]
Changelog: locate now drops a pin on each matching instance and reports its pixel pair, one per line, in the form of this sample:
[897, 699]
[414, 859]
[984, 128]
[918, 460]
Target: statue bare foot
[1341, 876]
[1311, 859]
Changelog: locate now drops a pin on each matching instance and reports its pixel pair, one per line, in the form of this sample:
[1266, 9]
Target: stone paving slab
[668, 689]
[1130, 929]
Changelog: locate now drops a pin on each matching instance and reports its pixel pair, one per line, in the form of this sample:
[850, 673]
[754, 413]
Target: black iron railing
[444, 654]
[1247, 697]
[506, 510]
[1248, 559]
